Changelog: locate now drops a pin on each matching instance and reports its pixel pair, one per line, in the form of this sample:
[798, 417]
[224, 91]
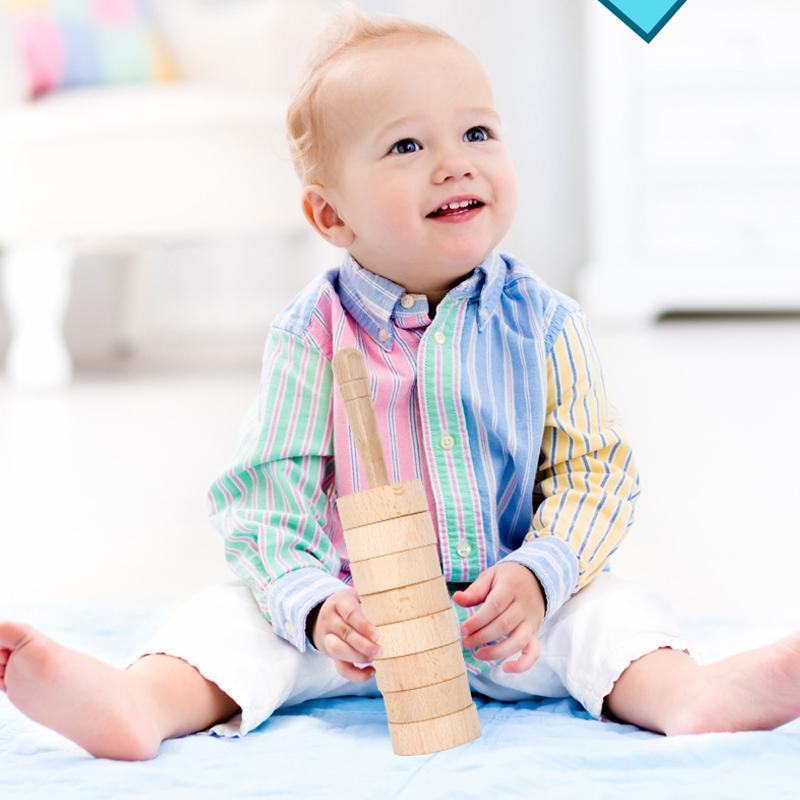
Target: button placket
[443, 447]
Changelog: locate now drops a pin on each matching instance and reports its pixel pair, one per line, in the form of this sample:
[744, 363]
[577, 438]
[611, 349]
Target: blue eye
[410, 146]
[401, 144]
[485, 132]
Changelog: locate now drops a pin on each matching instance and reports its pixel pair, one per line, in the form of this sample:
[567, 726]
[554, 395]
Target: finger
[338, 648]
[366, 648]
[489, 622]
[512, 643]
[356, 630]
[530, 655]
[476, 592]
[349, 609]
[354, 673]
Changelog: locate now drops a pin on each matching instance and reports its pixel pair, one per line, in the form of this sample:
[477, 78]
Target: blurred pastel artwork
[63, 44]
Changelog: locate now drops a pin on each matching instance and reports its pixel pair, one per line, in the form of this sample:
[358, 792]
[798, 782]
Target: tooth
[465, 203]
[453, 205]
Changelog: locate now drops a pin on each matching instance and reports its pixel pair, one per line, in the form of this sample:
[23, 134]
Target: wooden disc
[407, 602]
[389, 536]
[416, 635]
[382, 502]
[427, 702]
[434, 735]
[419, 669]
[396, 570]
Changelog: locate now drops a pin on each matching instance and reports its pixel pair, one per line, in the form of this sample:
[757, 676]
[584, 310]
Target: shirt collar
[375, 301]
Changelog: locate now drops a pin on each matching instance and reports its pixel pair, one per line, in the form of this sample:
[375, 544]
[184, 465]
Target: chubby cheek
[395, 213]
[506, 194]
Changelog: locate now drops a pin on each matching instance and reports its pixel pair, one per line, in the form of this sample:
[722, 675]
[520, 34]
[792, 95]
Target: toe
[13, 635]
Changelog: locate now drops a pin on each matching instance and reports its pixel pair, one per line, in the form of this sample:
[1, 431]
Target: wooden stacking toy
[391, 544]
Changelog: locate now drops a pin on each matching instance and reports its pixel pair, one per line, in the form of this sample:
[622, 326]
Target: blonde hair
[345, 29]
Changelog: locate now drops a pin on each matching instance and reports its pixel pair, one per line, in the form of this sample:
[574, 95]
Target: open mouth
[455, 209]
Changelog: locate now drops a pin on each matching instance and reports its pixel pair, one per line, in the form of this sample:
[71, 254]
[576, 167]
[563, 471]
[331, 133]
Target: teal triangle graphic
[646, 17]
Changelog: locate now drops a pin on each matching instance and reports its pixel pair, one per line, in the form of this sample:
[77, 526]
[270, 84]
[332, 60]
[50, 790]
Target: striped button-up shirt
[497, 404]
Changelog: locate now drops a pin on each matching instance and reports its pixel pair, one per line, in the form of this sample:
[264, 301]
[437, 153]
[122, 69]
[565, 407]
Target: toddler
[487, 387]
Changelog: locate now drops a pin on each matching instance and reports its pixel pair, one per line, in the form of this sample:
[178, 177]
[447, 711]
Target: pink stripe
[406, 455]
[281, 536]
[296, 404]
[247, 566]
[316, 393]
[276, 402]
[321, 333]
[233, 525]
[295, 490]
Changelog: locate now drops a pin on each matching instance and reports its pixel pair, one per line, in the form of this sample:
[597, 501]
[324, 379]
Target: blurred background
[150, 228]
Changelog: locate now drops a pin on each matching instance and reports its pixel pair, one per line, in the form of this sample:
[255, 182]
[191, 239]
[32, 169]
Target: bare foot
[753, 690]
[99, 707]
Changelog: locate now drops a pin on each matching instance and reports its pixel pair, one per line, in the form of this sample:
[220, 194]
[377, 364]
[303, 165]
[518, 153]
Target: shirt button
[289, 628]
[447, 442]
[464, 550]
[406, 301]
[383, 334]
[439, 337]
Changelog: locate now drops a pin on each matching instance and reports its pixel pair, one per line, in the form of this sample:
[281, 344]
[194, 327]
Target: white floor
[103, 485]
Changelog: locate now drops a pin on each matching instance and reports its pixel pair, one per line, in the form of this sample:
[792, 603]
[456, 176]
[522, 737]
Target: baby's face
[414, 127]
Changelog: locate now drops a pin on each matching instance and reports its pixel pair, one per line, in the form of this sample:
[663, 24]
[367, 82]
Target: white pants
[585, 647]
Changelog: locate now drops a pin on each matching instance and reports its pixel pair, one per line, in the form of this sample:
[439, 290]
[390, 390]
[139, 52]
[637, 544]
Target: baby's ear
[324, 217]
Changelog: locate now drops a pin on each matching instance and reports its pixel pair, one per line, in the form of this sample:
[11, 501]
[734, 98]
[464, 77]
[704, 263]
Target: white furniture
[694, 162]
[128, 167]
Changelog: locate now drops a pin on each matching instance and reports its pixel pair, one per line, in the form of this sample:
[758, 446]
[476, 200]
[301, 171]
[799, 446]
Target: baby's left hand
[513, 606]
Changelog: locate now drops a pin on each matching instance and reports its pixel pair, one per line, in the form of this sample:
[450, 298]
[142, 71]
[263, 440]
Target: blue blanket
[340, 748]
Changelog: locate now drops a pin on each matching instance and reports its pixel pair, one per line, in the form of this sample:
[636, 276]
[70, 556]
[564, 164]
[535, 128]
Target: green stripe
[286, 351]
[458, 495]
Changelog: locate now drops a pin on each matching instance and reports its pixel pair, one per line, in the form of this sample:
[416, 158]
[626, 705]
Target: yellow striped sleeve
[587, 482]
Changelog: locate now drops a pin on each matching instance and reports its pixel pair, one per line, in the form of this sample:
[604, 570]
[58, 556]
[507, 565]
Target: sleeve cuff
[293, 596]
[553, 563]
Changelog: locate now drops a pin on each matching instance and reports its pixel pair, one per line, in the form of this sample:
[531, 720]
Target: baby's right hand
[342, 632]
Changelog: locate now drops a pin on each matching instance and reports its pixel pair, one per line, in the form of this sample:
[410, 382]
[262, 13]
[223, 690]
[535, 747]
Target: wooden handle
[351, 376]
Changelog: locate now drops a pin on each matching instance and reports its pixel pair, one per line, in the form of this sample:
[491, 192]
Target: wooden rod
[350, 373]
